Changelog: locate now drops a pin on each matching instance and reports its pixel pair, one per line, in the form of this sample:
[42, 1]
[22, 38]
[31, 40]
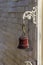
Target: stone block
[12, 20]
[20, 9]
[29, 8]
[20, 21]
[19, 15]
[12, 15]
[12, 9]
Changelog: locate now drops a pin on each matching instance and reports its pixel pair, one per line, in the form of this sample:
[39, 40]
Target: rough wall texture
[10, 31]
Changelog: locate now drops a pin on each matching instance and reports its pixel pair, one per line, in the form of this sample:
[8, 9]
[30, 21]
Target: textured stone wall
[11, 30]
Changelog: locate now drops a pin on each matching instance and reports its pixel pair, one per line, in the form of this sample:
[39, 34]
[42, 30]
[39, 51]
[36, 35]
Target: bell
[23, 40]
[23, 43]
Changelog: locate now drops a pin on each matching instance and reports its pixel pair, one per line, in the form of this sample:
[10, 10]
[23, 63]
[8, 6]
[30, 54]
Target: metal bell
[23, 43]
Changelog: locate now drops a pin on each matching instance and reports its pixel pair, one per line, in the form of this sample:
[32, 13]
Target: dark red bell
[23, 42]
